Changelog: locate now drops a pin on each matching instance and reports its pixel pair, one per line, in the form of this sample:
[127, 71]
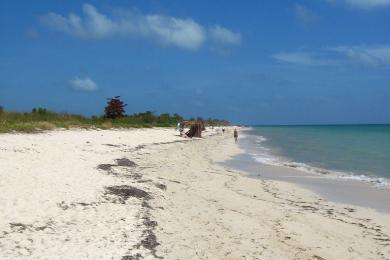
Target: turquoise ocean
[360, 152]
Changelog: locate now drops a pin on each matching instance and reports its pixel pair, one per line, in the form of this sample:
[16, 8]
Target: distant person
[235, 134]
[178, 127]
[223, 130]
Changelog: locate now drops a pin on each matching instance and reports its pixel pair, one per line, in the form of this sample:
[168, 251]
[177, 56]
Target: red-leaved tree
[115, 108]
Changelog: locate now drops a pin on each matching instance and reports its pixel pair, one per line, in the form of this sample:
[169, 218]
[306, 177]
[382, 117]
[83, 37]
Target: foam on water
[264, 155]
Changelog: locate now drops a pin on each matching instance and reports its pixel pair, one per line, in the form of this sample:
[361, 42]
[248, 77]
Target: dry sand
[65, 195]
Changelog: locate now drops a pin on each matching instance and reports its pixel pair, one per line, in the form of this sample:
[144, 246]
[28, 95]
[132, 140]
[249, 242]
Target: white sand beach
[148, 193]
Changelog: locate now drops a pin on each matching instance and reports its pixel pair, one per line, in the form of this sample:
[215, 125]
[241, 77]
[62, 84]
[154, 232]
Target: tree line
[114, 117]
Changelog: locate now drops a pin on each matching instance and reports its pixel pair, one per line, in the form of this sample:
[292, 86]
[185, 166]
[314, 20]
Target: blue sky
[252, 62]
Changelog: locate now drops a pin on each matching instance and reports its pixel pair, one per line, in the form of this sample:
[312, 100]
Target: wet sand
[347, 191]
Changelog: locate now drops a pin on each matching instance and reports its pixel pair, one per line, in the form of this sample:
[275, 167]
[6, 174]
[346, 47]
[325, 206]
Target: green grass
[46, 120]
[41, 119]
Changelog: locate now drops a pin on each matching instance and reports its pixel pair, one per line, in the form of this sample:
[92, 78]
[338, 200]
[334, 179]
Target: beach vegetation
[39, 110]
[43, 119]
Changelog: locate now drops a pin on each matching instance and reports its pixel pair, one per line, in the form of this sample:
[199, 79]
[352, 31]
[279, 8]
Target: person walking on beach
[235, 135]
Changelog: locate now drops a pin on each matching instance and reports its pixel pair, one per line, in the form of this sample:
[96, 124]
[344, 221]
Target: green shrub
[43, 119]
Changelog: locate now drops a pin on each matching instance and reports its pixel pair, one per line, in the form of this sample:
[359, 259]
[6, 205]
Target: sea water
[359, 152]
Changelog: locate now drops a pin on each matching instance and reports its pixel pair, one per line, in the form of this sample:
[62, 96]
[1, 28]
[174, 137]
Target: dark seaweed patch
[105, 167]
[112, 145]
[125, 192]
[139, 147]
[146, 205]
[18, 227]
[149, 223]
[130, 257]
[150, 242]
[161, 186]
[63, 205]
[134, 175]
[144, 181]
[125, 162]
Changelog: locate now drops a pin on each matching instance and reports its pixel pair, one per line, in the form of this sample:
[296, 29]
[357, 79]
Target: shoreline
[211, 211]
[123, 194]
[269, 155]
[347, 191]
[331, 186]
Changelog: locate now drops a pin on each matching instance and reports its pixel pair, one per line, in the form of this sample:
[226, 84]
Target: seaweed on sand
[105, 166]
[125, 162]
[125, 192]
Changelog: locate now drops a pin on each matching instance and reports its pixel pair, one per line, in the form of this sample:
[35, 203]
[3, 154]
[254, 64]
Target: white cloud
[173, 31]
[366, 55]
[223, 36]
[166, 30]
[93, 25]
[369, 56]
[85, 84]
[302, 58]
[304, 15]
[364, 4]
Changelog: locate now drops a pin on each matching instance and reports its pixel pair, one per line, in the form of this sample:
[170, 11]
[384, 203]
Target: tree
[115, 108]
[177, 118]
[148, 117]
[164, 118]
[39, 110]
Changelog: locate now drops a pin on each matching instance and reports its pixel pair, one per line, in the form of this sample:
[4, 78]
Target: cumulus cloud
[184, 33]
[224, 36]
[83, 84]
[365, 4]
[304, 15]
[369, 56]
[166, 30]
[93, 25]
